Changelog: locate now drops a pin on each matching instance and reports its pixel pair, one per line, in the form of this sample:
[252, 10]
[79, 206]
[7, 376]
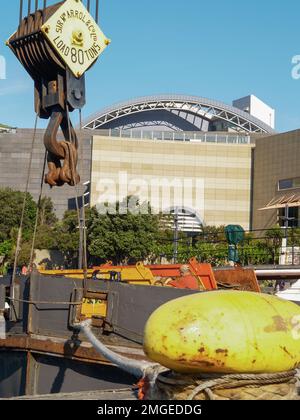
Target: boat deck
[108, 395]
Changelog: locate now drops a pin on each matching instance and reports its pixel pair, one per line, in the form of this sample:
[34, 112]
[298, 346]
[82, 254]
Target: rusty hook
[66, 150]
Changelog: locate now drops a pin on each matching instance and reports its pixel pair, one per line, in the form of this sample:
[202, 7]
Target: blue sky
[221, 50]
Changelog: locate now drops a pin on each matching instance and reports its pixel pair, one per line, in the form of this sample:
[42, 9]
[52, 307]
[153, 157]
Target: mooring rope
[2, 327]
[209, 383]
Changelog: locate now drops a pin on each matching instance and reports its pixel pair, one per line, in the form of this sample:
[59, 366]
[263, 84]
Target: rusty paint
[66, 150]
[206, 364]
[225, 351]
[287, 352]
[146, 275]
[97, 322]
[69, 349]
[238, 278]
[279, 324]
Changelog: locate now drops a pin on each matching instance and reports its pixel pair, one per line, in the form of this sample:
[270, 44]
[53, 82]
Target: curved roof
[181, 105]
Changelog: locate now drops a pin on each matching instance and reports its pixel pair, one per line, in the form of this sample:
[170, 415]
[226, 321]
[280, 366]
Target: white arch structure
[186, 107]
[188, 219]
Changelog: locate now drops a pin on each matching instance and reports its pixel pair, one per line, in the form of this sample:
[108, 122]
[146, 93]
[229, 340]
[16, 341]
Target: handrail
[175, 136]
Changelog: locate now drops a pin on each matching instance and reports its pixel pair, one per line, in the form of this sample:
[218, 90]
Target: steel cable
[19, 238]
[38, 212]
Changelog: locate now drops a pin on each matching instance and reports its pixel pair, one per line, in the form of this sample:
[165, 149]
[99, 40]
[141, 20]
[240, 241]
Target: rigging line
[35, 302]
[72, 164]
[38, 212]
[97, 11]
[73, 175]
[83, 211]
[19, 238]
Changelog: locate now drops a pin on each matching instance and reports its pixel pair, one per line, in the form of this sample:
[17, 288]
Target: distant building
[6, 129]
[207, 175]
[257, 108]
[159, 140]
[233, 166]
[15, 151]
[276, 180]
[178, 113]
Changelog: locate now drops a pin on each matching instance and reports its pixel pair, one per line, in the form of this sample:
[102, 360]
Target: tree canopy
[123, 237]
[10, 215]
[11, 204]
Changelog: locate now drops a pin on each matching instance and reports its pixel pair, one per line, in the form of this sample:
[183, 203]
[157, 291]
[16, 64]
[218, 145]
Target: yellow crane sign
[75, 36]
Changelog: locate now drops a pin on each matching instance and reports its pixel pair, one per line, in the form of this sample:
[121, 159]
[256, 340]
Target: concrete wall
[275, 158]
[222, 171]
[15, 152]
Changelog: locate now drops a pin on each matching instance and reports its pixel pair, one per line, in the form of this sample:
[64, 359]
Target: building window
[293, 217]
[288, 184]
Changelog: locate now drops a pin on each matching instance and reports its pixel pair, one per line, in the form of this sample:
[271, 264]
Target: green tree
[273, 243]
[11, 204]
[46, 237]
[123, 238]
[46, 212]
[67, 237]
[5, 248]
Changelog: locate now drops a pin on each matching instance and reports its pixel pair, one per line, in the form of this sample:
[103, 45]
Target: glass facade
[189, 136]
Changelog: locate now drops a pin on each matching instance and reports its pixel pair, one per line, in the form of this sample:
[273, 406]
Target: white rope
[2, 327]
[137, 368]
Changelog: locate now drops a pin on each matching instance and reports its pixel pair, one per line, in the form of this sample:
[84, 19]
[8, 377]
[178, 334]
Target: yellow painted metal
[138, 274]
[94, 307]
[75, 36]
[225, 332]
[74, 274]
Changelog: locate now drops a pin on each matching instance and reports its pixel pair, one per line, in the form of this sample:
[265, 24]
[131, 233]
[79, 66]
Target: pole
[21, 12]
[81, 227]
[97, 11]
[29, 8]
[293, 247]
[285, 239]
[176, 236]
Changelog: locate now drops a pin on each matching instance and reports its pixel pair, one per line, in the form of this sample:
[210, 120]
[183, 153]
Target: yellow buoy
[225, 332]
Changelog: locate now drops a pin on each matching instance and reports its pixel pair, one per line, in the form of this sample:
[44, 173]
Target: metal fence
[183, 136]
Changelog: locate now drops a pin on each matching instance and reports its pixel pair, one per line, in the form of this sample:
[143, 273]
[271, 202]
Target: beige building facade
[222, 178]
[211, 178]
[276, 180]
